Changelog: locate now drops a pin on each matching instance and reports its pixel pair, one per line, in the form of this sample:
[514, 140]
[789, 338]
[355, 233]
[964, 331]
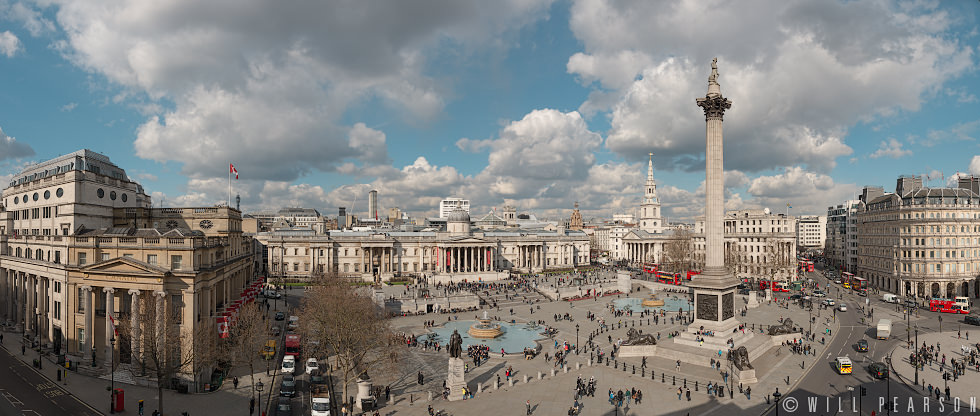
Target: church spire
[650, 220]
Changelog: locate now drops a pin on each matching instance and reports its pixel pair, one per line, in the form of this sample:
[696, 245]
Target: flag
[231, 167]
[787, 205]
[113, 322]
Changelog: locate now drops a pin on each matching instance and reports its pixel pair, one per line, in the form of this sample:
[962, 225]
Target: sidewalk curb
[59, 386]
[805, 372]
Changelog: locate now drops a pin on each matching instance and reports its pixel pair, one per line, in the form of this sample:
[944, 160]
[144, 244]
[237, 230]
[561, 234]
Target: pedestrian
[748, 393]
[528, 404]
[387, 393]
[688, 394]
[235, 382]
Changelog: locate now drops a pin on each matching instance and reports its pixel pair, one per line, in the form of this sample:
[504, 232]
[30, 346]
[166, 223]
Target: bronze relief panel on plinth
[727, 305]
[707, 307]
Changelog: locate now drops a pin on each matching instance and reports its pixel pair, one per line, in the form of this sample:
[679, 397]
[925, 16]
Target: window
[57, 287]
[100, 193]
[128, 255]
[59, 193]
[57, 310]
[104, 256]
[82, 259]
[151, 259]
[295, 267]
[175, 262]
[81, 300]
[306, 267]
[112, 195]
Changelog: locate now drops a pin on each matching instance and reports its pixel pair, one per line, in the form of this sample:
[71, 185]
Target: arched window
[39, 254]
[18, 251]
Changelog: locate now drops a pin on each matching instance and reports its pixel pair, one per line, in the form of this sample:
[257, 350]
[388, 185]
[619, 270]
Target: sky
[536, 104]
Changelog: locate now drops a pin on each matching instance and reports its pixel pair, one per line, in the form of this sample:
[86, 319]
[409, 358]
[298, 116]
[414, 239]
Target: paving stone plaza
[551, 388]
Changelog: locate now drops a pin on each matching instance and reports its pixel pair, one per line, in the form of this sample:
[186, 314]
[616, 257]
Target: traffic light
[864, 391]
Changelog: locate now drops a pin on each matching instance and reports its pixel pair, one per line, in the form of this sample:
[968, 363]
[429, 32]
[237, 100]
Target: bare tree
[336, 320]
[734, 260]
[246, 338]
[677, 255]
[163, 344]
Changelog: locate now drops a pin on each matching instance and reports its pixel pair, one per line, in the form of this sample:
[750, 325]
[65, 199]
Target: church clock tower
[650, 220]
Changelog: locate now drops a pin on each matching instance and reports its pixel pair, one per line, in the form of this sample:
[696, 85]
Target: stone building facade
[921, 241]
[101, 250]
[840, 245]
[459, 252]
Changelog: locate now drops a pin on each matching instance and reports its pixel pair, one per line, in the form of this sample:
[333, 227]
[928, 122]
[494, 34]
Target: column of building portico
[161, 329]
[110, 298]
[30, 314]
[136, 340]
[5, 293]
[88, 324]
[48, 329]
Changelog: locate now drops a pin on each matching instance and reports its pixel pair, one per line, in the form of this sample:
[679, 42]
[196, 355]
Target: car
[819, 293]
[293, 323]
[829, 302]
[972, 319]
[878, 370]
[795, 297]
[288, 386]
[284, 409]
[743, 291]
[280, 316]
[317, 377]
[311, 365]
[842, 307]
[288, 364]
[863, 292]
[862, 345]
[269, 350]
[837, 281]
[275, 330]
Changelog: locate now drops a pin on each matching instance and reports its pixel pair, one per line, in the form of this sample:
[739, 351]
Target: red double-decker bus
[859, 283]
[947, 306]
[669, 278]
[773, 285]
[806, 266]
[692, 273]
[651, 267]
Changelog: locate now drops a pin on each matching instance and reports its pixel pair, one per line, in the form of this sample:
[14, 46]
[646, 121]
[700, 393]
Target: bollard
[496, 385]
[578, 365]
[685, 382]
[590, 362]
[552, 372]
[430, 396]
[540, 376]
[479, 387]
[673, 379]
[510, 382]
[643, 372]
[695, 385]
[566, 369]
[634, 368]
[525, 379]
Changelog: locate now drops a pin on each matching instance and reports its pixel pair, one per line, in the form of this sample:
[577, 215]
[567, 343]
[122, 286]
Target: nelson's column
[714, 289]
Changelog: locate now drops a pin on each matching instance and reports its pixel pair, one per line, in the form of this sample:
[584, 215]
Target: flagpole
[229, 185]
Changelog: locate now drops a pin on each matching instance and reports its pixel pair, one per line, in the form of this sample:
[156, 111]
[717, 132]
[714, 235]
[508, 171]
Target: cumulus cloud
[9, 44]
[808, 192]
[10, 148]
[801, 74]
[272, 77]
[975, 165]
[891, 148]
[30, 18]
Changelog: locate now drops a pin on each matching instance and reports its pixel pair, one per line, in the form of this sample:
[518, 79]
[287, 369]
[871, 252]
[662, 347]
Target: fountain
[485, 328]
[652, 301]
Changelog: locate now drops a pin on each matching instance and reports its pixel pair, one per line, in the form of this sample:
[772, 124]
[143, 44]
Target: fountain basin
[485, 329]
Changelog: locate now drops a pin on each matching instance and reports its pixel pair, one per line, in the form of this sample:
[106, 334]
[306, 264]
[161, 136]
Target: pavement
[91, 394]
[553, 395]
[950, 344]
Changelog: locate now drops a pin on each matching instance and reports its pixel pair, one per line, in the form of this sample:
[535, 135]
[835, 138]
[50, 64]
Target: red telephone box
[118, 400]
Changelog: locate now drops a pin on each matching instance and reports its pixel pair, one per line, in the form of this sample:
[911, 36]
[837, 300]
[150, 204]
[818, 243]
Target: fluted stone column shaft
[87, 293]
[714, 196]
[136, 332]
[110, 298]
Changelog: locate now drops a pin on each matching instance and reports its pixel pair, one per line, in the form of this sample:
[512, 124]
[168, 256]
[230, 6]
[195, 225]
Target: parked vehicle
[288, 364]
[288, 386]
[972, 319]
[884, 329]
[878, 370]
[311, 365]
[319, 400]
[269, 350]
[293, 346]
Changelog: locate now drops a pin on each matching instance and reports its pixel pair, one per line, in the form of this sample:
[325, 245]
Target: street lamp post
[112, 376]
[775, 397]
[888, 380]
[576, 337]
[940, 323]
[917, 357]
[258, 387]
[851, 390]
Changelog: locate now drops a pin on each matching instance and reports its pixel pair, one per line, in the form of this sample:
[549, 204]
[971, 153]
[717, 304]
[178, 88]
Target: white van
[890, 298]
[288, 364]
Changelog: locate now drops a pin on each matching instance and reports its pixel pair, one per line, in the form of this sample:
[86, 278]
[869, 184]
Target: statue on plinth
[634, 337]
[713, 78]
[455, 345]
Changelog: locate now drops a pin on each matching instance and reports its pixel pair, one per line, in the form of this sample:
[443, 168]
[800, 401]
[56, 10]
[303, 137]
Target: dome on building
[458, 215]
